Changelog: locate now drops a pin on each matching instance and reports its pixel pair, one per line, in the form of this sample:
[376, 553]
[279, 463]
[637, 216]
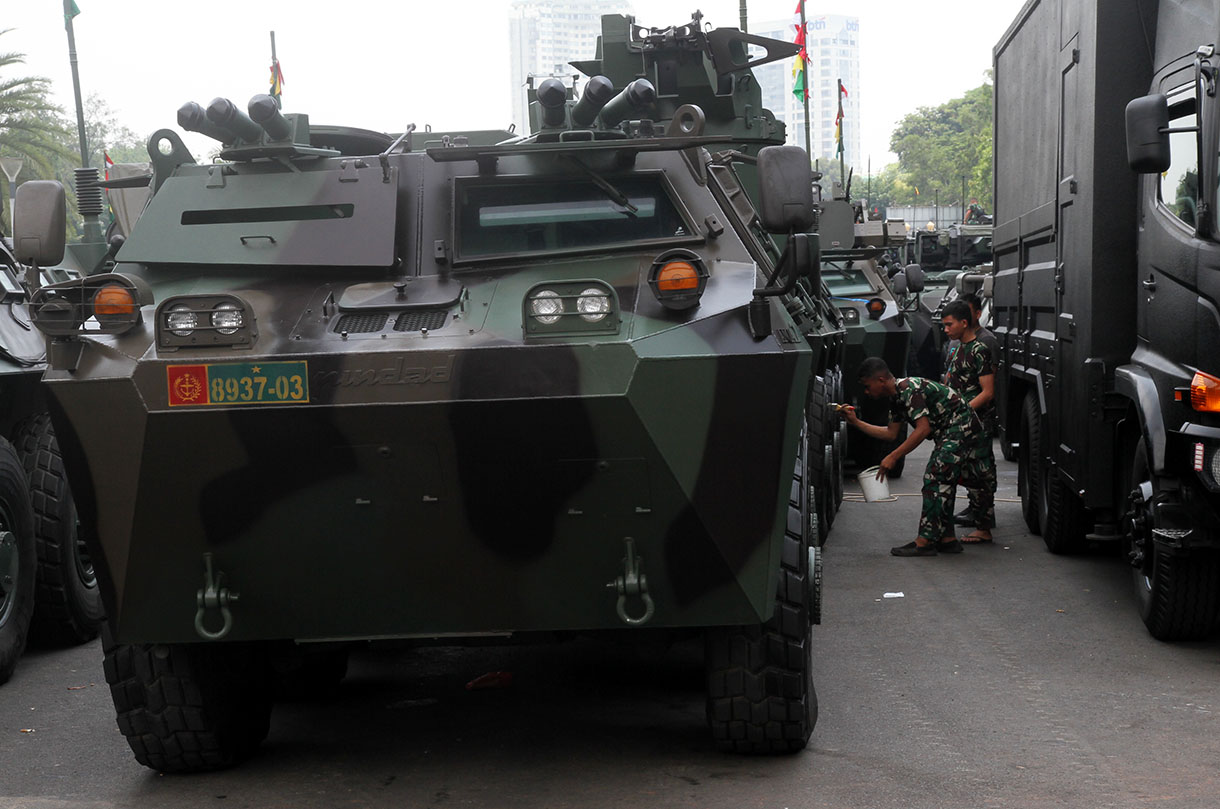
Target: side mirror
[1147, 143]
[899, 282]
[785, 190]
[39, 227]
[914, 278]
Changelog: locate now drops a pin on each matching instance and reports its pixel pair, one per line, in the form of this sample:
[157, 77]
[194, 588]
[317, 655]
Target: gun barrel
[266, 113]
[634, 97]
[551, 98]
[192, 118]
[597, 94]
[225, 113]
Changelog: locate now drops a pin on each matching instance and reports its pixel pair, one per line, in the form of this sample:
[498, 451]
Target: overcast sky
[381, 65]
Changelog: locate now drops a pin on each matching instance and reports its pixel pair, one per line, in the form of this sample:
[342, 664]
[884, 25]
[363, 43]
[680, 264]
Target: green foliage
[938, 146]
[31, 127]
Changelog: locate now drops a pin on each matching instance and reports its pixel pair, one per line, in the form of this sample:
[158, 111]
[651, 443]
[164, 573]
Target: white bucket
[874, 490]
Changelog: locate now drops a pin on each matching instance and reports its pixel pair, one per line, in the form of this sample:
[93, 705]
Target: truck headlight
[570, 308]
[205, 321]
[108, 303]
[546, 306]
[1207, 465]
[593, 305]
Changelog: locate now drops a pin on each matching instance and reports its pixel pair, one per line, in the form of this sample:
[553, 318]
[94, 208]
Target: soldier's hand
[886, 466]
[849, 413]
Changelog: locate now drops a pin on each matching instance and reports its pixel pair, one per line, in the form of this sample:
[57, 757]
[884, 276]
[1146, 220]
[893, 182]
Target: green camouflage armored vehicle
[48, 589]
[332, 393]
[861, 274]
[712, 69]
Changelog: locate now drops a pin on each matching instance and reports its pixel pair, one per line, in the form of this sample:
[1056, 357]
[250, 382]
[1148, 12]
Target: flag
[800, 67]
[70, 11]
[839, 120]
[107, 162]
[277, 80]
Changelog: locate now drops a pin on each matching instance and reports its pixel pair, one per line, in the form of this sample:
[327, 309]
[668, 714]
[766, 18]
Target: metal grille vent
[417, 321]
[362, 323]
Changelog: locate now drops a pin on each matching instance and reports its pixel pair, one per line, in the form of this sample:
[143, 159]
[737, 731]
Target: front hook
[632, 583]
[214, 595]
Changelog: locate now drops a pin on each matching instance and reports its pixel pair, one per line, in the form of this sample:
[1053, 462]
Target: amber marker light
[875, 307]
[678, 278]
[113, 300]
[1205, 393]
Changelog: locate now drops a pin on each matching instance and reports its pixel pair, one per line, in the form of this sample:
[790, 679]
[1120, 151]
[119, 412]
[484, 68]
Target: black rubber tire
[188, 708]
[1063, 516]
[1178, 595]
[840, 452]
[68, 604]
[760, 693]
[17, 560]
[1029, 462]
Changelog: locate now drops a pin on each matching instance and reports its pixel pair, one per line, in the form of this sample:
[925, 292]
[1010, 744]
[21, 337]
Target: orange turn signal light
[113, 300]
[875, 307]
[1205, 393]
[676, 276]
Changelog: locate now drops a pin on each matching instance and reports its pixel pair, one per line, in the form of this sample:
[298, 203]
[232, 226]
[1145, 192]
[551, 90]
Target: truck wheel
[840, 452]
[1062, 515]
[760, 694]
[1178, 594]
[17, 565]
[188, 707]
[1029, 463]
[68, 602]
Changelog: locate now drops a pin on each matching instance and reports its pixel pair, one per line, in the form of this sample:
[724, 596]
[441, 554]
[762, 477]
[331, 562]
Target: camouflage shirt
[947, 412]
[970, 362]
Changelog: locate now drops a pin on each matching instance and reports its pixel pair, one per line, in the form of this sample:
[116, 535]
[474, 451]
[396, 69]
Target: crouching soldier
[935, 411]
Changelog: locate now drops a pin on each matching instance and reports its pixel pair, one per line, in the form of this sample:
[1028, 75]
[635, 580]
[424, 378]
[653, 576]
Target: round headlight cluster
[182, 320]
[546, 306]
[593, 305]
[227, 318]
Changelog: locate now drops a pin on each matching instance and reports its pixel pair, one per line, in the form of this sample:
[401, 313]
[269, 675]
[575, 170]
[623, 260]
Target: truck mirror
[914, 276]
[899, 282]
[39, 224]
[1147, 140]
[785, 189]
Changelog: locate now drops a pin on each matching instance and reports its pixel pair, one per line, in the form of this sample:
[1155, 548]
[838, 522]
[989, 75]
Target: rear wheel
[1178, 593]
[760, 696]
[68, 602]
[1029, 462]
[17, 560]
[189, 707]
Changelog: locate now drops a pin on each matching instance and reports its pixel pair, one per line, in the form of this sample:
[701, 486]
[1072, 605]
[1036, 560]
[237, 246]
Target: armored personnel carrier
[47, 584]
[559, 384]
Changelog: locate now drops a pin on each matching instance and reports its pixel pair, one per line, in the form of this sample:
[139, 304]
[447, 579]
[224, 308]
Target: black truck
[1107, 284]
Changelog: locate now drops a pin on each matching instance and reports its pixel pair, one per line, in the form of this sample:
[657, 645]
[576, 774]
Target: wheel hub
[1138, 521]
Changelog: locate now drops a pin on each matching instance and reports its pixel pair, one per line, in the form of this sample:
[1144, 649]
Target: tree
[31, 127]
[939, 146]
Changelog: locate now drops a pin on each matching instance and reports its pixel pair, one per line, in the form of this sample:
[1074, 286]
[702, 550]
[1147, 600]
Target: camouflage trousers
[956, 458]
[982, 500]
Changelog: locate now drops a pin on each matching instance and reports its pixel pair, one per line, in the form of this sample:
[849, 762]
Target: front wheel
[760, 696]
[17, 563]
[189, 707]
[1178, 594]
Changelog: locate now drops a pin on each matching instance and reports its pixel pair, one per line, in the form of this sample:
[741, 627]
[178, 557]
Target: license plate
[238, 383]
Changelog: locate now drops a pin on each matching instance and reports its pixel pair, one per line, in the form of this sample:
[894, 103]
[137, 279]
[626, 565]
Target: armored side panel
[1065, 238]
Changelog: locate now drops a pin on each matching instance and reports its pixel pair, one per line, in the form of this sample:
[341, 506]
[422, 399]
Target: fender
[1136, 384]
[1034, 377]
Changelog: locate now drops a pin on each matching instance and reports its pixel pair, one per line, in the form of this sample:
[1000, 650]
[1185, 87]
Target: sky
[381, 65]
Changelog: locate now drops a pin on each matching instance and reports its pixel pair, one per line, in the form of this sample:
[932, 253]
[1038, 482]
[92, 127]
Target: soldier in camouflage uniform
[938, 412]
[972, 374]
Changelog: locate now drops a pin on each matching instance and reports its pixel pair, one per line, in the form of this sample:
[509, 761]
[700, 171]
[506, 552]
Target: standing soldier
[939, 413]
[972, 374]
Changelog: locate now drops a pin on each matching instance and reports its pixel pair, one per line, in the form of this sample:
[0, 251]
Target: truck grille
[417, 321]
[362, 323]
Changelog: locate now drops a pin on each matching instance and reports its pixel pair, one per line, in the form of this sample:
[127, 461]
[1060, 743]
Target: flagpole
[842, 120]
[741, 12]
[275, 66]
[80, 109]
[805, 95]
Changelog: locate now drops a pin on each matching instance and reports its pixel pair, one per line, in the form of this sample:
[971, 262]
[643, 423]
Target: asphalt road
[1003, 677]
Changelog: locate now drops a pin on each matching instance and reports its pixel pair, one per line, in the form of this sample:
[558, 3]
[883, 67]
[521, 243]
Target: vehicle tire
[68, 604]
[760, 693]
[1178, 594]
[840, 452]
[17, 560]
[1029, 463]
[189, 707]
[1062, 515]
[816, 427]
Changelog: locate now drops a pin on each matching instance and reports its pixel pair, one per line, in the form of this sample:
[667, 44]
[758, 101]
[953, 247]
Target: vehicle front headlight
[546, 306]
[182, 320]
[205, 321]
[593, 305]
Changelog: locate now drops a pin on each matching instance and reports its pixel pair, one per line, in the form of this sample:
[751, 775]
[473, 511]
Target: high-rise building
[833, 45]
[544, 35]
